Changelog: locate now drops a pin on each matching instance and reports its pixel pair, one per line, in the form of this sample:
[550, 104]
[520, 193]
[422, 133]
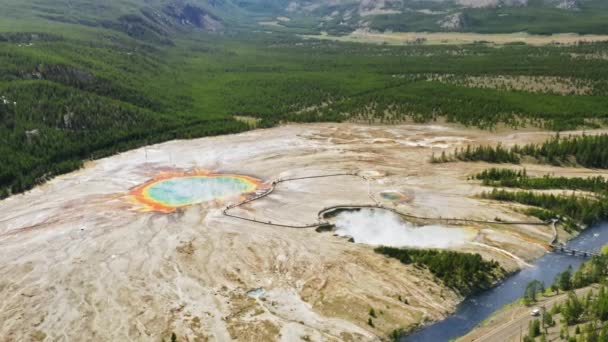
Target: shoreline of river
[464, 316]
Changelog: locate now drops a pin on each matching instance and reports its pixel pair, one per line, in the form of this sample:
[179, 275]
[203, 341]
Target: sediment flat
[458, 38]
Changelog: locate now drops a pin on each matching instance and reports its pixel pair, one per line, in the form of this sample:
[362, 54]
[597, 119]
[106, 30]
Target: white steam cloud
[382, 227]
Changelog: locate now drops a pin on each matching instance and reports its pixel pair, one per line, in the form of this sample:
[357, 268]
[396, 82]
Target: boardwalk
[559, 248]
[571, 251]
[321, 215]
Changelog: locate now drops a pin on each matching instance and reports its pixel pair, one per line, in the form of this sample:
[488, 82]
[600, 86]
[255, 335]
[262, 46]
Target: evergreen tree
[564, 279]
[572, 309]
[534, 328]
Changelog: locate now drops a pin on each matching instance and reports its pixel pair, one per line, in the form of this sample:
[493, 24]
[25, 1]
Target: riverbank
[511, 323]
[571, 305]
[478, 310]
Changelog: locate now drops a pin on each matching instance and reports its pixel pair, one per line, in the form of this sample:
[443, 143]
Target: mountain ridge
[159, 21]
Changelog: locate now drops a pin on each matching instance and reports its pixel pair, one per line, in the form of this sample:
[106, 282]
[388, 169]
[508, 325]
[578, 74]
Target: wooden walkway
[321, 214]
[322, 222]
[571, 251]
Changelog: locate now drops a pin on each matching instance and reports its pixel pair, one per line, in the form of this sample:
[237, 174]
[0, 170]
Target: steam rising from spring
[382, 227]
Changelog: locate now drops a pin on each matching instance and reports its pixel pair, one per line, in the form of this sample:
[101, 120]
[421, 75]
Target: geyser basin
[383, 227]
[168, 192]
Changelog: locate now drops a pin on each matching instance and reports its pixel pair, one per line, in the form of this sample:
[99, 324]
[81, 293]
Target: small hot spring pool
[169, 193]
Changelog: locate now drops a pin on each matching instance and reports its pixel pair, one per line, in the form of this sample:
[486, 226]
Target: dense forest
[584, 150]
[70, 92]
[48, 129]
[464, 272]
[520, 179]
[573, 208]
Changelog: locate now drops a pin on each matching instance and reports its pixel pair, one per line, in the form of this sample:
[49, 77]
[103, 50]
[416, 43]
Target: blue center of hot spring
[189, 190]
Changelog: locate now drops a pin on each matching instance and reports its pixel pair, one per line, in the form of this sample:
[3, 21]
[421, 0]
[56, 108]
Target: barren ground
[79, 262]
[458, 38]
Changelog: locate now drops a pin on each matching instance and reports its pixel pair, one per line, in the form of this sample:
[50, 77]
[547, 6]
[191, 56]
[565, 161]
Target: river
[475, 309]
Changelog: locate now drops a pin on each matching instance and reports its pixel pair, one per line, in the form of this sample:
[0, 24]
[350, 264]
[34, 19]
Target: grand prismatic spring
[171, 191]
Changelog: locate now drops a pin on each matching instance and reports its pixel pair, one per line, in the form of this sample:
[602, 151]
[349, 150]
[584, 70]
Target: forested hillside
[82, 79]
